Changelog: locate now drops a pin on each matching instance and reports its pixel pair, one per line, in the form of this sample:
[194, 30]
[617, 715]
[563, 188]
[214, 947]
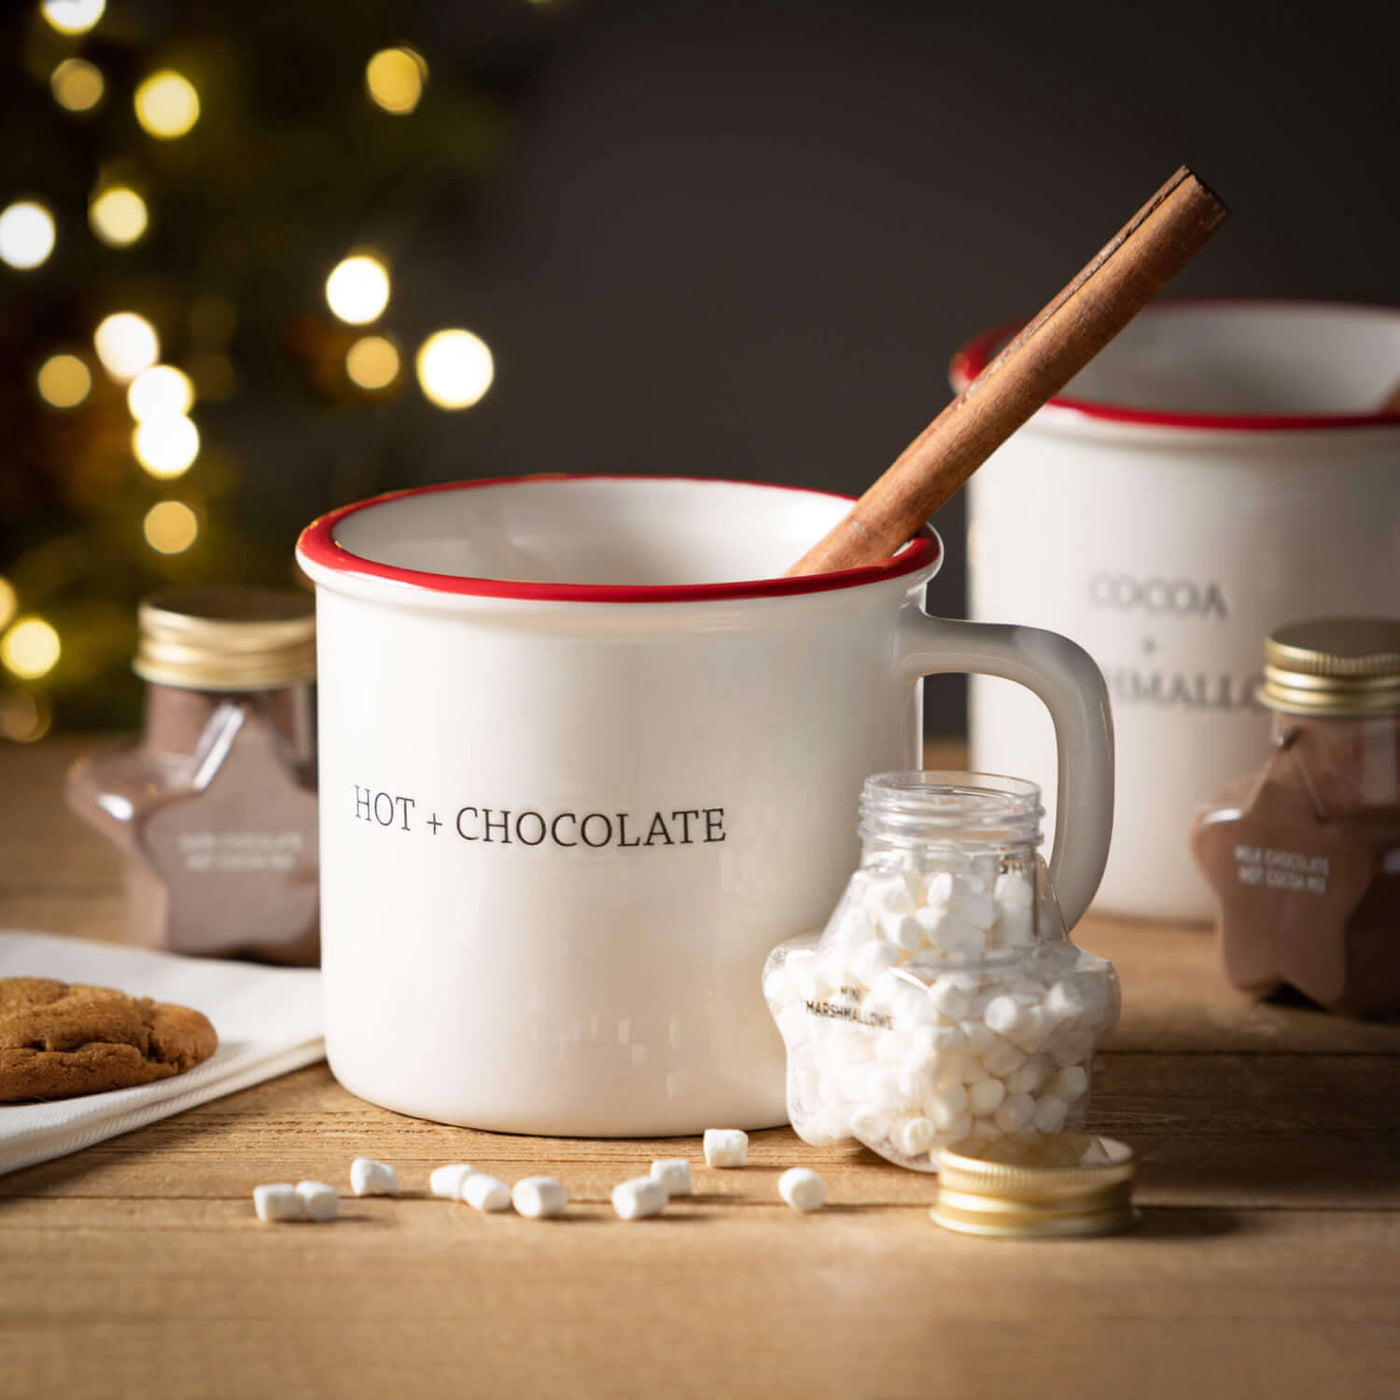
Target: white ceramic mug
[586, 757]
[1220, 469]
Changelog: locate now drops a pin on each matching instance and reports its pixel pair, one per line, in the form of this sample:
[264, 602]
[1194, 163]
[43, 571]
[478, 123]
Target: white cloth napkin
[268, 1020]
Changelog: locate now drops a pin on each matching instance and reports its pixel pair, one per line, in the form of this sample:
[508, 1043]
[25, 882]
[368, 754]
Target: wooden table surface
[1267, 1262]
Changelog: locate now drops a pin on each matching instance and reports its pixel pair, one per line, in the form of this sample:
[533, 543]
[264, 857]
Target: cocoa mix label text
[528, 826]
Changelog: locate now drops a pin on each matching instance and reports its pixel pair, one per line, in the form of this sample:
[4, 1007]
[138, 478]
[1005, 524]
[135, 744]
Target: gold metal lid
[1338, 666]
[227, 638]
[1029, 1185]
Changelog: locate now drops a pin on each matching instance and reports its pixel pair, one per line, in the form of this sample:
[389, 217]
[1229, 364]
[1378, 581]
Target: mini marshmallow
[1005, 1015]
[1070, 1083]
[917, 1136]
[638, 1198]
[484, 1192]
[951, 997]
[726, 1147]
[897, 893]
[1050, 1113]
[319, 1201]
[918, 1078]
[278, 1202]
[1032, 1030]
[1027, 1079]
[1013, 891]
[985, 1096]
[938, 889]
[446, 1182]
[538, 1197]
[674, 1174]
[903, 930]
[968, 904]
[873, 960]
[371, 1178]
[979, 1037]
[802, 1189]
[1015, 1113]
[946, 1106]
[1002, 1058]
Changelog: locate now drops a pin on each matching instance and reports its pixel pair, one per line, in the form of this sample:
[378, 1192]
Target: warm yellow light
[118, 216]
[26, 234]
[25, 717]
[73, 16]
[166, 446]
[167, 104]
[171, 527]
[455, 368]
[372, 362]
[30, 648]
[395, 79]
[64, 381]
[77, 84]
[126, 344]
[160, 391]
[358, 289]
[9, 602]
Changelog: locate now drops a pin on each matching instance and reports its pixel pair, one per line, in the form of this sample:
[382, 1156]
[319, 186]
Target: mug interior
[1249, 358]
[640, 532]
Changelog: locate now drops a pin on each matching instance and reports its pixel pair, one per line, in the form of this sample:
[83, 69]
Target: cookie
[59, 1040]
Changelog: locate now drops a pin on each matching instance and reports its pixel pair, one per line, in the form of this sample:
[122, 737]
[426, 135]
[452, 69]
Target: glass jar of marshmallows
[944, 999]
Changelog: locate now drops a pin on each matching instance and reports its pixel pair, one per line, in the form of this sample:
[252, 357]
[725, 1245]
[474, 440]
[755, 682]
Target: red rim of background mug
[974, 357]
[318, 545]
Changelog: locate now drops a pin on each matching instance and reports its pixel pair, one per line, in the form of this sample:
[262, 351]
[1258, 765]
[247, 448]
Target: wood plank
[1226, 1132]
[427, 1298]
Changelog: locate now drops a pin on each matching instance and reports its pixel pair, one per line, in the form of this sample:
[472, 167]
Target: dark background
[742, 237]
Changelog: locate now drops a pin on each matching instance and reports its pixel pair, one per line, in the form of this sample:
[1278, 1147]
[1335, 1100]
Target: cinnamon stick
[1121, 279]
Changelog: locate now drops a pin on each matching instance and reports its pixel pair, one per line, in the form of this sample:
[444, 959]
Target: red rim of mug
[319, 546]
[975, 356]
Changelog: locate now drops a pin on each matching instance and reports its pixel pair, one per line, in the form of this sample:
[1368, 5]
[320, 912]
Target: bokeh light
[77, 84]
[26, 234]
[126, 344]
[9, 602]
[64, 382]
[358, 289]
[166, 446]
[30, 648]
[118, 216]
[171, 527]
[73, 16]
[395, 79]
[160, 391]
[372, 362]
[167, 104]
[25, 717]
[455, 368]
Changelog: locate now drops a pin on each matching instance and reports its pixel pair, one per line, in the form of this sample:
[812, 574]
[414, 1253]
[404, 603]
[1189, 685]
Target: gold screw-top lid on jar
[227, 638]
[1032, 1185]
[1338, 666]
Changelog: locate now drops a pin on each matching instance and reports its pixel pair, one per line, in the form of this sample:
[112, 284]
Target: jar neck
[942, 815]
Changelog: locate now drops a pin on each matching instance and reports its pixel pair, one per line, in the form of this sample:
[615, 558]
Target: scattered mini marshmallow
[484, 1192]
[638, 1198]
[278, 1202]
[539, 1197]
[917, 1136]
[802, 1189]
[319, 1201]
[371, 1178]
[726, 1147]
[446, 1181]
[674, 1174]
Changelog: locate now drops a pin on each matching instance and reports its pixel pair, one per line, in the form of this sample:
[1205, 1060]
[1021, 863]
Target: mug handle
[1072, 688]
